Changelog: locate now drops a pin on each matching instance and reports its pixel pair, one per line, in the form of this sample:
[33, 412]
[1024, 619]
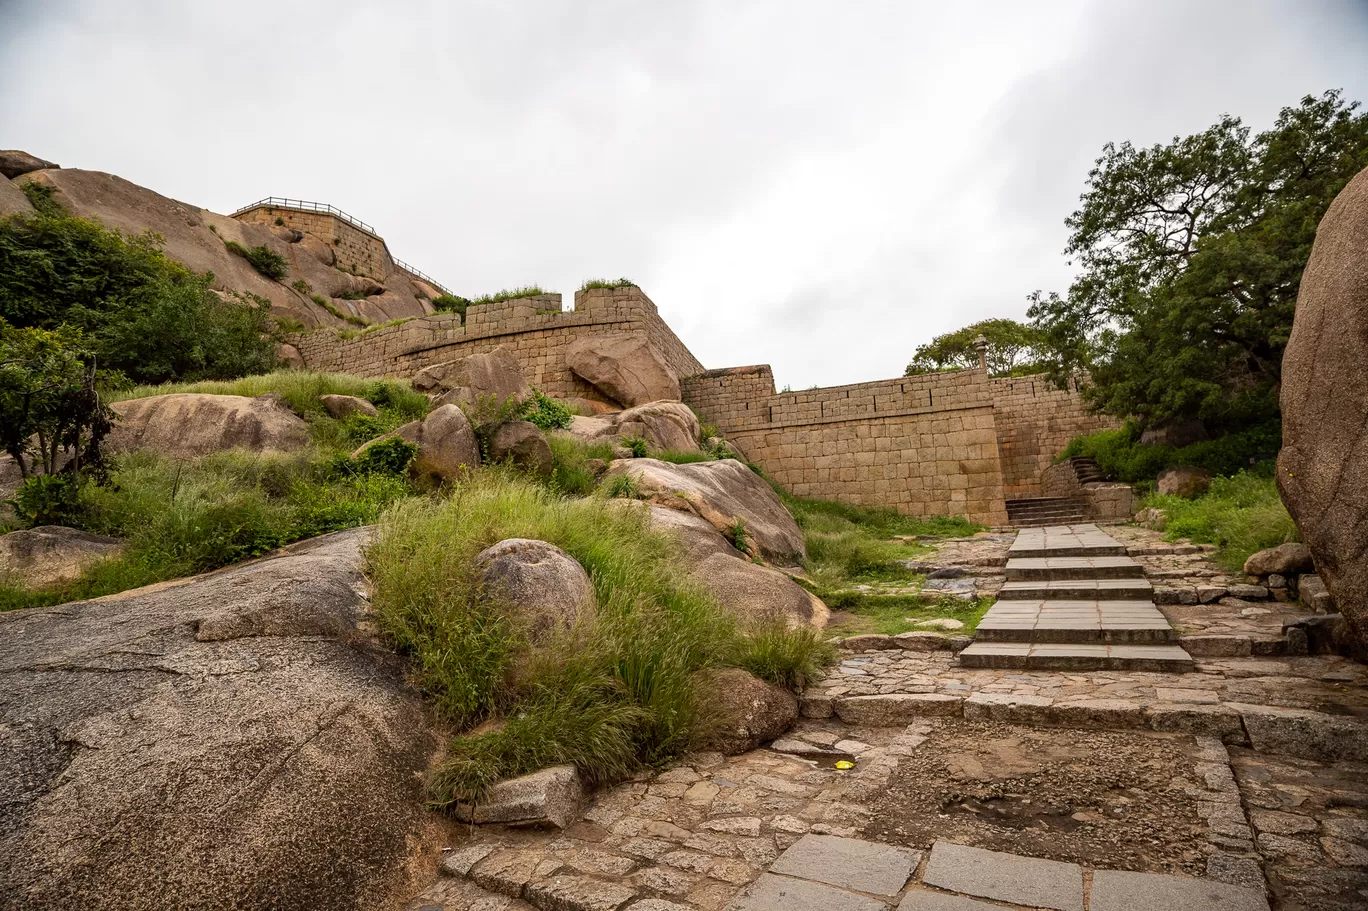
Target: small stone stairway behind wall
[1074, 600]
[1034, 511]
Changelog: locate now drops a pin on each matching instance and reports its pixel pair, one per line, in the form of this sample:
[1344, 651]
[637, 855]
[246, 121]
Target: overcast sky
[817, 186]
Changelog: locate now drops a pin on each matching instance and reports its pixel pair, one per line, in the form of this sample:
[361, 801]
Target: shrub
[392, 456]
[610, 695]
[739, 536]
[1241, 514]
[302, 286]
[592, 283]
[48, 499]
[546, 412]
[450, 303]
[43, 198]
[1121, 455]
[262, 258]
[142, 313]
[638, 446]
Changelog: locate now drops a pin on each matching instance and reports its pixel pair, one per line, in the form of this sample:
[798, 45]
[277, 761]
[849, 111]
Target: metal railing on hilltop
[305, 205]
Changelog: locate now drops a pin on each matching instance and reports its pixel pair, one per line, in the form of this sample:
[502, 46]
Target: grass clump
[611, 694]
[592, 283]
[638, 446]
[332, 309]
[508, 294]
[891, 614]
[1240, 514]
[261, 258]
[571, 472]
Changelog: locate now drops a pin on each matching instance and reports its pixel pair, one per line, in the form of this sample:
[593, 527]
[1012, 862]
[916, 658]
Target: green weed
[1240, 514]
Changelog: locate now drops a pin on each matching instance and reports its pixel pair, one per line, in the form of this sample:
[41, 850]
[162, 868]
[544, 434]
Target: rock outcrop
[553, 796]
[1185, 481]
[494, 375]
[12, 200]
[523, 444]
[187, 425]
[624, 367]
[49, 554]
[1323, 466]
[229, 741]
[721, 492]
[13, 163]
[748, 591]
[341, 406]
[745, 710]
[664, 425]
[537, 582]
[196, 237]
[446, 443]
[1288, 559]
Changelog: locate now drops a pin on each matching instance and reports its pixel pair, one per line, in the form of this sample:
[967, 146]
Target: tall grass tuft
[610, 694]
[300, 389]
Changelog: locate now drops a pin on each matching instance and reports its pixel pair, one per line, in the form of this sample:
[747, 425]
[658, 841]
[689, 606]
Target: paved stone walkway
[1074, 600]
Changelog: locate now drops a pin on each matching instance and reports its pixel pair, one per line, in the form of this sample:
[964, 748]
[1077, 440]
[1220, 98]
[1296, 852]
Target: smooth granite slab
[1029, 881]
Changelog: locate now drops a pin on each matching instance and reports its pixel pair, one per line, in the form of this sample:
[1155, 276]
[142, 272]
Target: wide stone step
[1080, 540]
[1077, 656]
[1046, 569]
[1077, 590]
[1074, 621]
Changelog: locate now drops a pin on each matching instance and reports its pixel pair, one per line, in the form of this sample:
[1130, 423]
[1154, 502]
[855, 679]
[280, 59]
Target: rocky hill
[199, 239]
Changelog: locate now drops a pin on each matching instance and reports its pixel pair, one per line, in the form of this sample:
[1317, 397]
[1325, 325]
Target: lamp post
[981, 344]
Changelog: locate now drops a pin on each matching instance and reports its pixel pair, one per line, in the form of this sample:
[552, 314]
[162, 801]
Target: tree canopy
[142, 313]
[1013, 349]
[1191, 254]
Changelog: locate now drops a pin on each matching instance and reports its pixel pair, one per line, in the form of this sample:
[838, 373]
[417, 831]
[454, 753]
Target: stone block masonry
[357, 251]
[1035, 421]
[925, 445]
[537, 330]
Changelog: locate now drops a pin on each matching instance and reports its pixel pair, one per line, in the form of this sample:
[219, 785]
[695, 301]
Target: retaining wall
[357, 251]
[925, 445]
[1035, 420]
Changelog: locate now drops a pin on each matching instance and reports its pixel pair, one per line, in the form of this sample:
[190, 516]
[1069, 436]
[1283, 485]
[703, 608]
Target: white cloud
[818, 187]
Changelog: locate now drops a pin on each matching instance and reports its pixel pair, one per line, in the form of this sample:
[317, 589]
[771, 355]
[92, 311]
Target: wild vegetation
[614, 692]
[1241, 514]
[141, 314]
[592, 283]
[1011, 349]
[1121, 455]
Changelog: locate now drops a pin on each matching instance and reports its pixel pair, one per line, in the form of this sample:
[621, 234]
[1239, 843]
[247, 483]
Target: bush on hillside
[1121, 455]
[1241, 515]
[261, 258]
[143, 314]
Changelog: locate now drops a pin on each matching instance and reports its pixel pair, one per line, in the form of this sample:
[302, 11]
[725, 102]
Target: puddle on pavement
[833, 760]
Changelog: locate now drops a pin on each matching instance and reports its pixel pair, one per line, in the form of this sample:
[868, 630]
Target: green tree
[141, 312]
[1191, 254]
[1013, 349]
[51, 417]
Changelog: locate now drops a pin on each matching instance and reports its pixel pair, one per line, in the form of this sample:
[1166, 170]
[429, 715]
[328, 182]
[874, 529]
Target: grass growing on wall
[1240, 514]
[612, 694]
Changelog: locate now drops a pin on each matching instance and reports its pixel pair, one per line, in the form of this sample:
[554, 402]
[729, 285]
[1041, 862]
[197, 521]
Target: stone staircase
[1037, 511]
[1073, 600]
[1086, 469]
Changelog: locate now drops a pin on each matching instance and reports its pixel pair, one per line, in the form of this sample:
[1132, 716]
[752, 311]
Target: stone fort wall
[925, 445]
[357, 250]
[536, 330]
[1035, 420]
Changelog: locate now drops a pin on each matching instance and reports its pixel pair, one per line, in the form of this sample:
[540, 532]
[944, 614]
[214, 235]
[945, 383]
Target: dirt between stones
[1105, 798]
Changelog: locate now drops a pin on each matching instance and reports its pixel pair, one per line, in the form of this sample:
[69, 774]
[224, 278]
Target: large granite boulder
[229, 741]
[1186, 481]
[623, 366]
[664, 425]
[494, 375]
[446, 443]
[744, 711]
[721, 492]
[50, 554]
[186, 425]
[13, 163]
[537, 582]
[343, 406]
[1323, 466]
[1288, 559]
[523, 444]
[750, 592]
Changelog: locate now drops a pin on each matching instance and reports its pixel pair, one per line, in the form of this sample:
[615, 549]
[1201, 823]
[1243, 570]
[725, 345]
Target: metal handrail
[305, 205]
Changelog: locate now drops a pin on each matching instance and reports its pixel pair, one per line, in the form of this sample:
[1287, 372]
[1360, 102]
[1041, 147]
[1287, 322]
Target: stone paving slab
[782, 893]
[849, 863]
[1064, 568]
[1063, 541]
[1076, 656]
[1074, 621]
[1028, 881]
[1078, 590]
[1114, 890]
[918, 900]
